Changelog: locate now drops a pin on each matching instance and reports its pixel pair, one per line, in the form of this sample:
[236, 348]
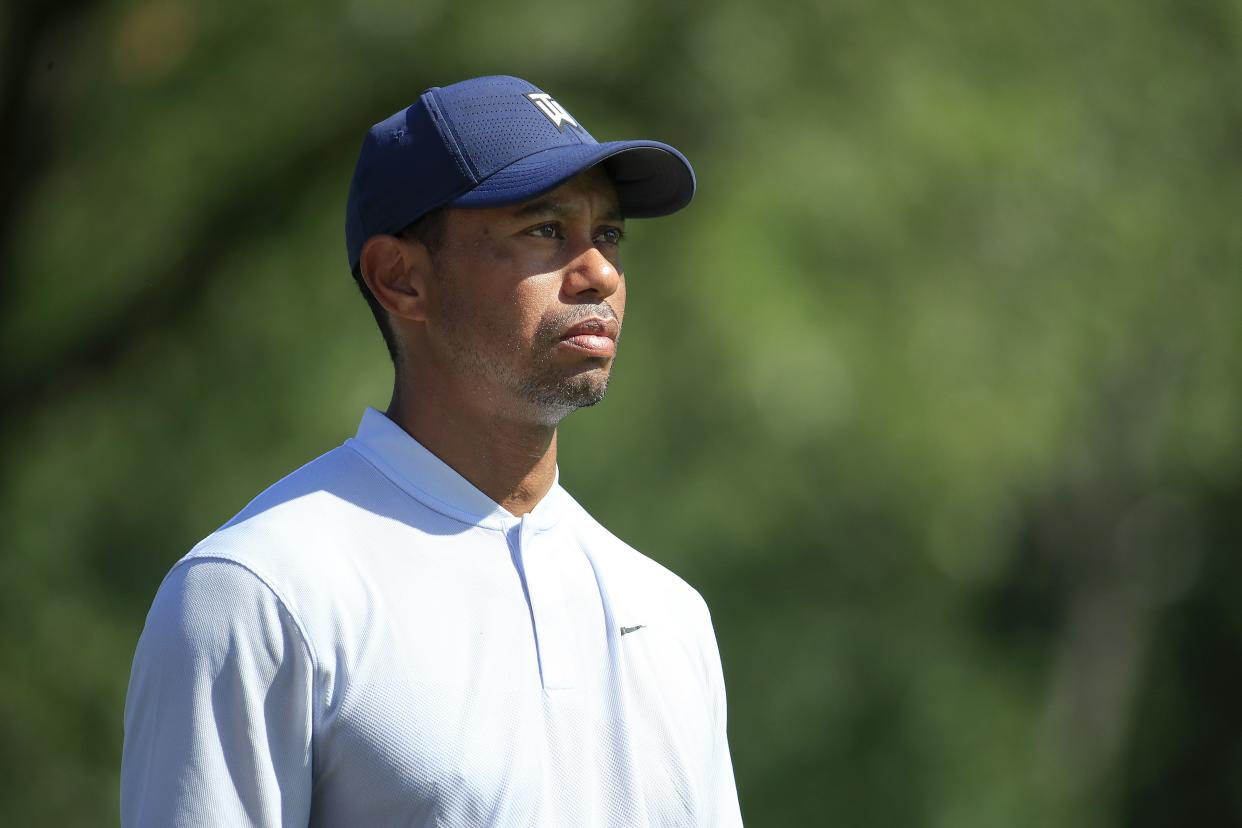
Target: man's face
[526, 301]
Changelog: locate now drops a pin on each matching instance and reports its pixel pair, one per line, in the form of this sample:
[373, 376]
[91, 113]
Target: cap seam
[444, 127]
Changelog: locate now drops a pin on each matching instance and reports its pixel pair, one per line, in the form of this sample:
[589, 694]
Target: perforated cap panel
[496, 124]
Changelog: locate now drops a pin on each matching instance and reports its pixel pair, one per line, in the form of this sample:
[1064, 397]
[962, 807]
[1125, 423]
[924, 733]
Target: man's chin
[569, 393]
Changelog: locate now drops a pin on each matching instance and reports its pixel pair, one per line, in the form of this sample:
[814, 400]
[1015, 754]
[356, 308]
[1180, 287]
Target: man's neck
[513, 463]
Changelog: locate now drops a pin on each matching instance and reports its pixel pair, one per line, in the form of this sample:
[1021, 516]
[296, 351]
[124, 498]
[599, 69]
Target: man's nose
[592, 273]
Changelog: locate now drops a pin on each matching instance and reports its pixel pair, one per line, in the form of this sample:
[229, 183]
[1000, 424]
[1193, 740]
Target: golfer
[422, 627]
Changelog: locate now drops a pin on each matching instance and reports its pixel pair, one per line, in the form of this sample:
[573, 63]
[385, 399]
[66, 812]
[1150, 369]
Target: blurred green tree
[933, 393]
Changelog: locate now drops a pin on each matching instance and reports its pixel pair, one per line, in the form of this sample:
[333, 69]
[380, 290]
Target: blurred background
[934, 392]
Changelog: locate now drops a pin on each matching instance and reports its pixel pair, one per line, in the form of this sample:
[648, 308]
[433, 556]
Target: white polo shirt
[375, 642]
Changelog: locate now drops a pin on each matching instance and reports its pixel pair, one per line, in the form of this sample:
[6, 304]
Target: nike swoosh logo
[628, 630]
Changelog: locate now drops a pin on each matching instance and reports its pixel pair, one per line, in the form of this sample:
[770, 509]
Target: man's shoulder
[300, 532]
[300, 506]
[340, 476]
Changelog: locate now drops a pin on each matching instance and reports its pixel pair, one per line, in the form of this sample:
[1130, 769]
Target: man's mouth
[596, 337]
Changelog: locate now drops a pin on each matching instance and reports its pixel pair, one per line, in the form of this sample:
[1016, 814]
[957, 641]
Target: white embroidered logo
[554, 111]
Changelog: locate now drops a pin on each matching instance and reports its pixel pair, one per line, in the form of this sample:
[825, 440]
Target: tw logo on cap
[554, 111]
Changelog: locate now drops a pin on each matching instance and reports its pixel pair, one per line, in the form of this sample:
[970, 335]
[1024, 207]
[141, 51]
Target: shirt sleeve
[218, 718]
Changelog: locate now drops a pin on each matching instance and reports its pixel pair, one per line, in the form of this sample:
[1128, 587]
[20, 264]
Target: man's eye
[551, 230]
[610, 235]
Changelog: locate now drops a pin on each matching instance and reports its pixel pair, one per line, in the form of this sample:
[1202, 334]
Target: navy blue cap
[490, 141]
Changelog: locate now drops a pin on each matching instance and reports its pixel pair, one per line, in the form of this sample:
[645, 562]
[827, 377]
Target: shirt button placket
[545, 588]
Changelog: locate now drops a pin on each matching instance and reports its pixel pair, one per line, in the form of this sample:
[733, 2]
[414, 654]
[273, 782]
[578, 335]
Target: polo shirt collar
[434, 483]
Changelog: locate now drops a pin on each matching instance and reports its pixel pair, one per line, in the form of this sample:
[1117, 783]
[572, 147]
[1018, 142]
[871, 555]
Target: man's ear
[396, 271]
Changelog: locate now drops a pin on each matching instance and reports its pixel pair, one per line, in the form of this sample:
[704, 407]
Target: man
[422, 627]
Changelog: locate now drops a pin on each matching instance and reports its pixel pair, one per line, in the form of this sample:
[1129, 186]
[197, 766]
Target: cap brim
[652, 179]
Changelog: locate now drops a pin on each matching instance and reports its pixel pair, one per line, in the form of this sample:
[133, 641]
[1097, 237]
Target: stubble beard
[551, 401]
[548, 392]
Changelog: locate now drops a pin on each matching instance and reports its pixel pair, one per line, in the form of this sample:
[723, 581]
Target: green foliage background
[933, 392]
